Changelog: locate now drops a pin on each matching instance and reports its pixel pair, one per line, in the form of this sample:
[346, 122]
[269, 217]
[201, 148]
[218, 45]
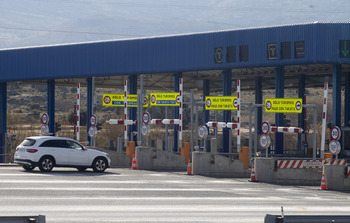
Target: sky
[46, 22]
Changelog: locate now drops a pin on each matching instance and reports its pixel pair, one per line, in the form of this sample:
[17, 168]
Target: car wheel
[28, 167]
[81, 169]
[46, 164]
[99, 164]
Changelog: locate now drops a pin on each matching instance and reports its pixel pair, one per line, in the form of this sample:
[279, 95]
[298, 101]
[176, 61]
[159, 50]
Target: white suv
[47, 152]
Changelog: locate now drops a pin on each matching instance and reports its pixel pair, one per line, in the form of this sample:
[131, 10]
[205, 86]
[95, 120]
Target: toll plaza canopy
[276, 56]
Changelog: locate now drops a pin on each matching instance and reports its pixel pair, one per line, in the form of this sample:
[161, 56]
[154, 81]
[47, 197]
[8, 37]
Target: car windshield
[28, 142]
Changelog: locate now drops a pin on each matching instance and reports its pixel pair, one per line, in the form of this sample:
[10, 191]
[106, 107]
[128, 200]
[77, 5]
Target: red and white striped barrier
[232, 125]
[295, 164]
[121, 122]
[286, 129]
[216, 124]
[229, 125]
[165, 121]
[78, 111]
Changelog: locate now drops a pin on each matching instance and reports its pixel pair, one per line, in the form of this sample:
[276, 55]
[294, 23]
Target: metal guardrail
[307, 219]
[23, 219]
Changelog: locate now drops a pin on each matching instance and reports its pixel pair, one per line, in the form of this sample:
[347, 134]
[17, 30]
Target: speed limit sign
[45, 118]
[265, 127]
[265, 141]
[145, 130]
[93, 120]
[146, 117]
[335, 133]
[202, 132]
[44, 129]
[92, 131]
[334, 147]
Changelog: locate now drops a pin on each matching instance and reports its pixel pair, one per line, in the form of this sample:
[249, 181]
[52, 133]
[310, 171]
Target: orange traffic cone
[189, 168]
[252, 175]
[323, 183]
[133, 166]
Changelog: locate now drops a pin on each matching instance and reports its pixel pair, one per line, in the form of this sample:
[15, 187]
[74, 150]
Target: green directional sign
[344, 48]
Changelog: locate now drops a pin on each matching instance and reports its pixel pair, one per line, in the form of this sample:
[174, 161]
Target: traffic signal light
[57, 126]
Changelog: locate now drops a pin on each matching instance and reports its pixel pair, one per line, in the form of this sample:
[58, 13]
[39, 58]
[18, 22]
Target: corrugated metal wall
[174, 53]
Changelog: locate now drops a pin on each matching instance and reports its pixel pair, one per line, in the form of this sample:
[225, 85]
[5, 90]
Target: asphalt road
[123, 195]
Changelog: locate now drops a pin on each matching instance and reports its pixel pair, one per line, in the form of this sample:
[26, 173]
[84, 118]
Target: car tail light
[17, 149]
[32, 150]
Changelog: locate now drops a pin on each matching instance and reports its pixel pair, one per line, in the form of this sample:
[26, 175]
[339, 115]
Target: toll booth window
[285, 50]
[299, 49]
[231, 54]
[243, 53]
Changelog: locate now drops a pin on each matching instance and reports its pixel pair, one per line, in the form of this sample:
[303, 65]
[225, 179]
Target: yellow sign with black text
[165, 99]
[117, 100]
[283, 105]
[221, 103]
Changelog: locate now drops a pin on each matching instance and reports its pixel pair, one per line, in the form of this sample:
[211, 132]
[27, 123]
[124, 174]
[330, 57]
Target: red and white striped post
[78, 111]
[238, 116]
[180, 111]
[125, 112]
[324, 117]
[75, 121]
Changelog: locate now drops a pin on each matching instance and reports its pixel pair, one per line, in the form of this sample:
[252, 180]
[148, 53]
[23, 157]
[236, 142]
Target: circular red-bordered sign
[92, 131]
[45, 118]
[146, 117]
[153, 99]
[107, 99]
[93, 120]
[335, 133]
[44, 129]
[178, 99]
[265, 128]
[334, 147]
[202, 132]
[235, 103]
[268, 105]
[298, 105]
[208, 103]
[145, 100]
[265, 141]
[145, 130]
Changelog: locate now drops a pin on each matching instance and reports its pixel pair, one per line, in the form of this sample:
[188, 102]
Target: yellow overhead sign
[165, 99]
[283, 105]
[221, 103]
[117, 100]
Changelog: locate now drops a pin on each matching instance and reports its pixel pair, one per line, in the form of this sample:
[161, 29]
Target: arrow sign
[344, 49]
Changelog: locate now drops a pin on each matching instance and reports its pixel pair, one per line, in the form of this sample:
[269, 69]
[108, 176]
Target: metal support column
[227, 89]
[205, 93]
[301, 121]
[132, 111]
[258, 100]
[336, 111]
[51, 105]
[89, 108]
[3, 119]
[177, 77]
[279, 86]
[347, 99]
